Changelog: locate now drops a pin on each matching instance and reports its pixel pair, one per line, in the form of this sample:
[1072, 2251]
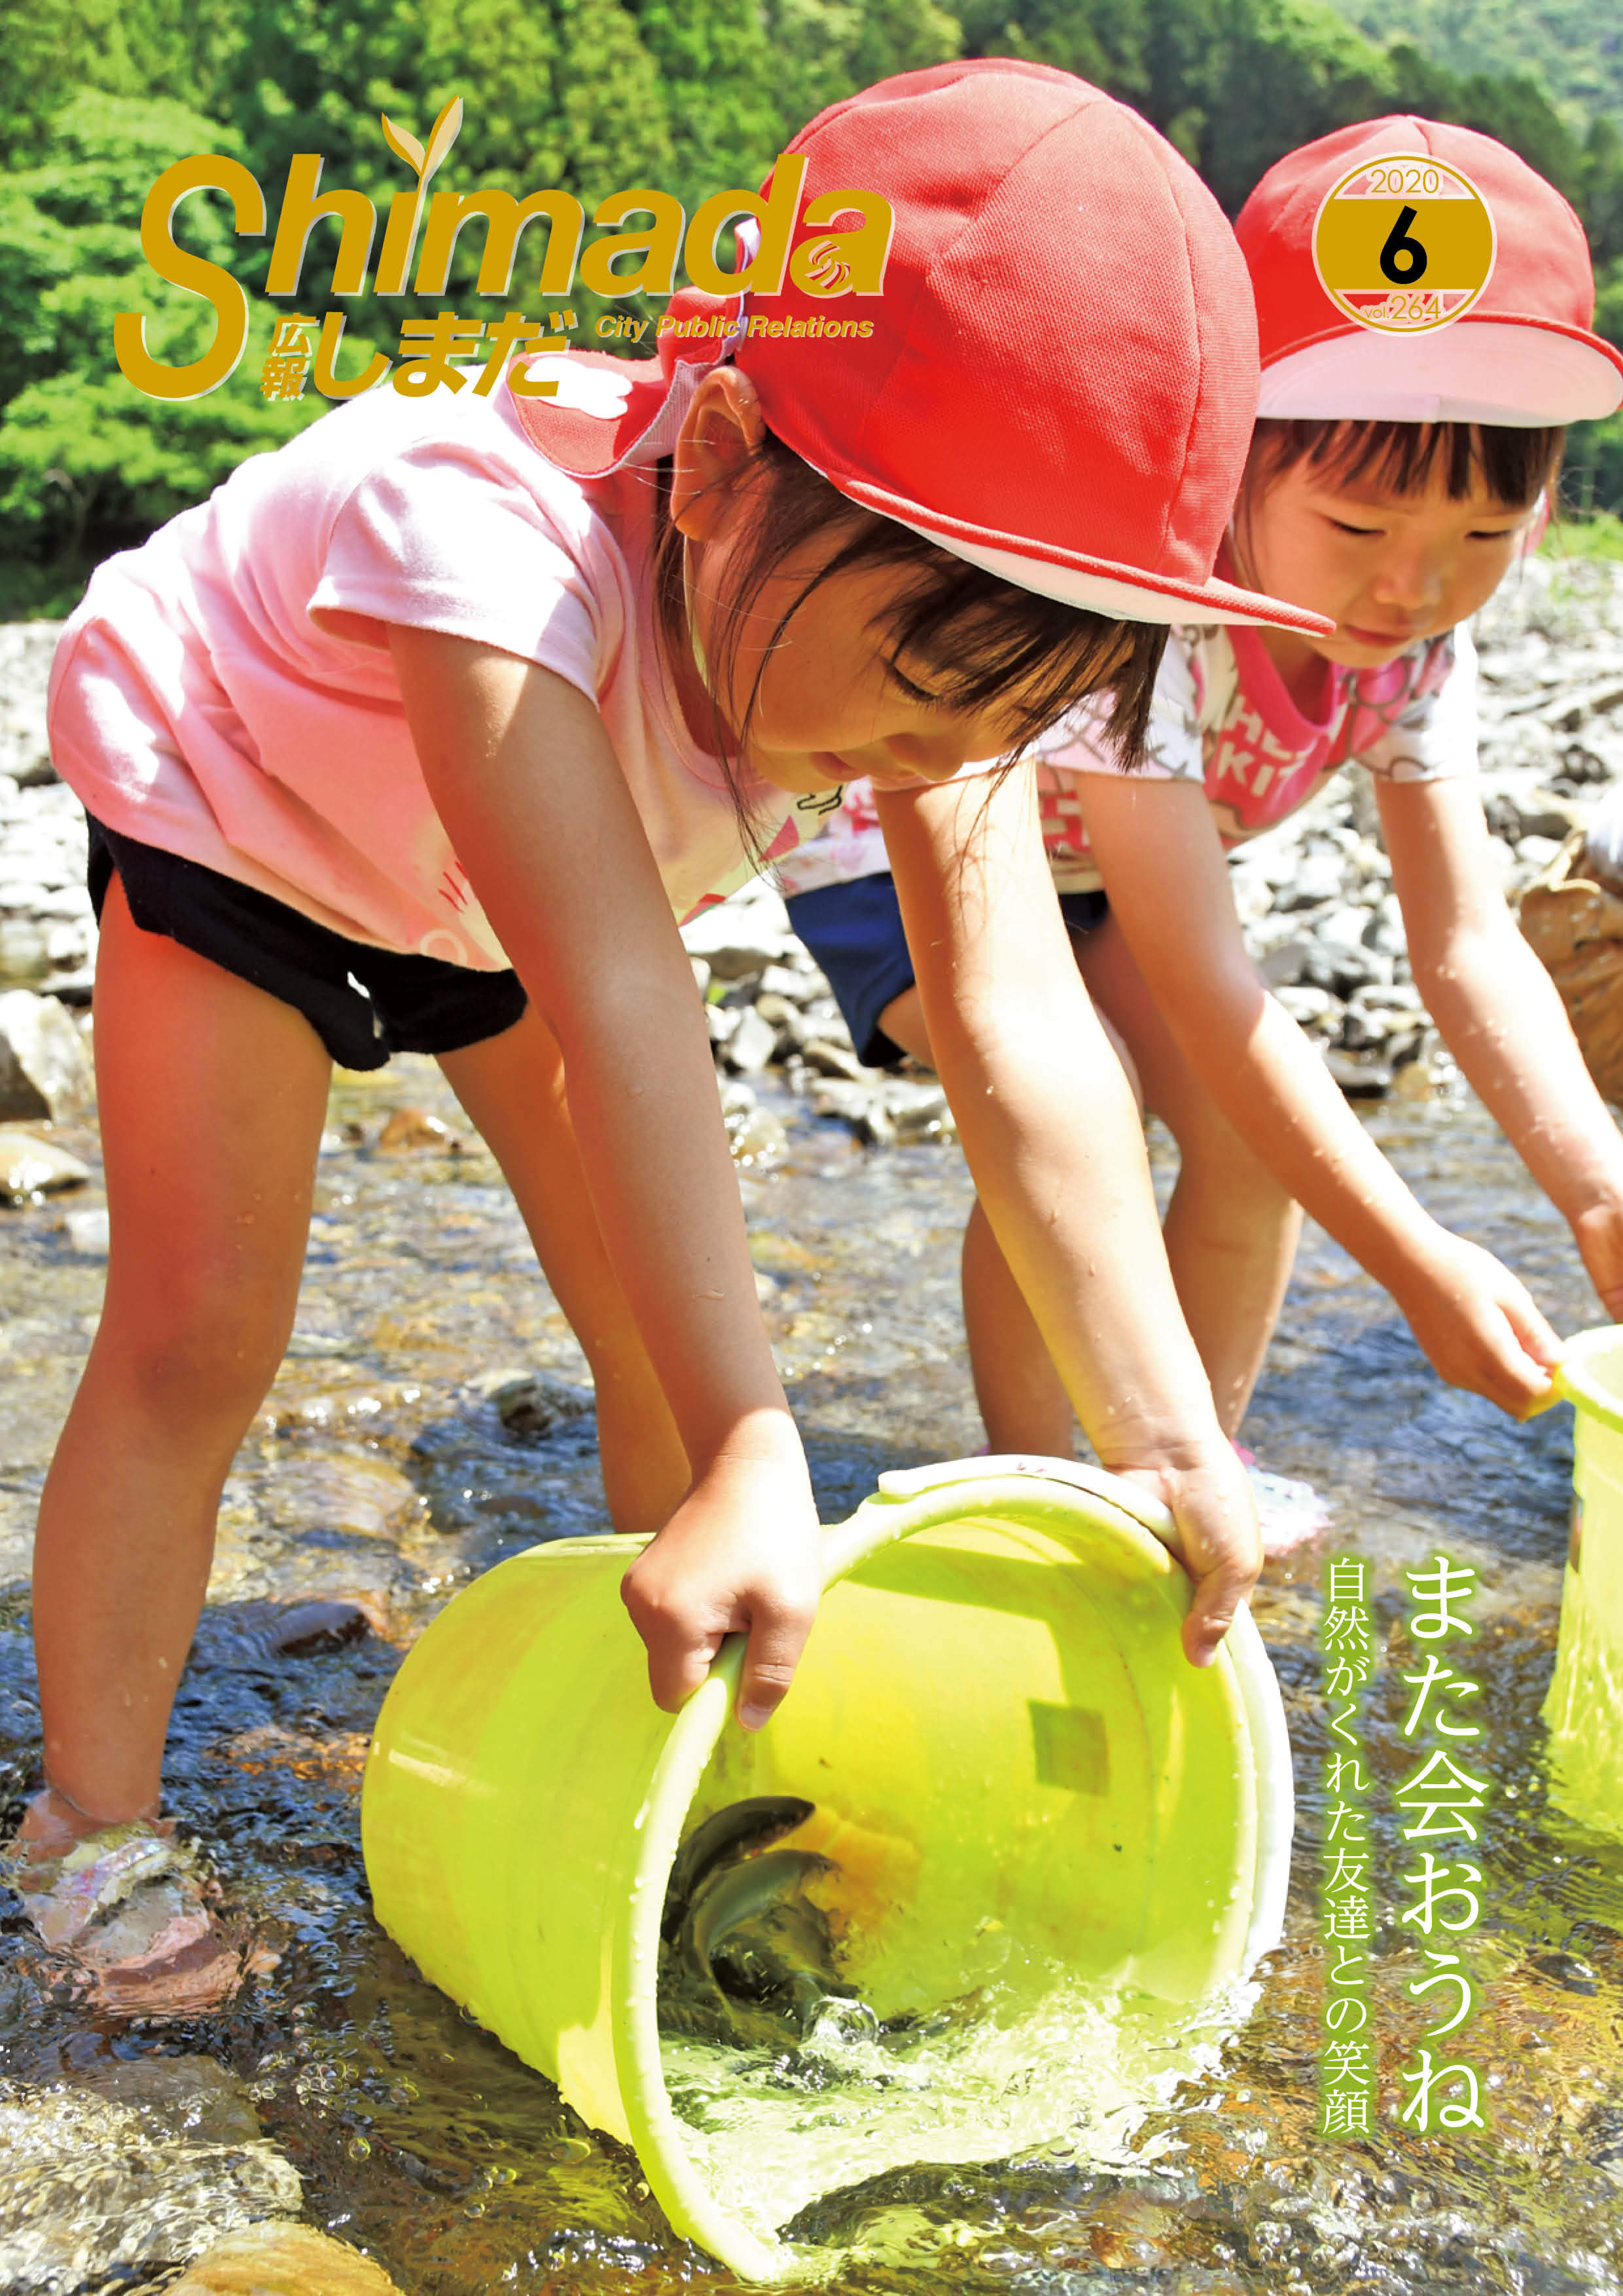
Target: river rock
[32, 1167]
[26, 648]
[100, 2179]
[22, 949]
[530, 1405]
[89, 1233]
[284, 2259]
[862, 1108]
[743, 935]
[1314, 896]
[410, 1129]
[758, 1140]
[343, 1498]
[751, 1044]
[917, 1107]
[830, 1058]
[192, 2100]
[44, 1066]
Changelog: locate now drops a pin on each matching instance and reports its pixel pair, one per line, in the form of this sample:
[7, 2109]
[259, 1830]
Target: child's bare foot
[130, 1906]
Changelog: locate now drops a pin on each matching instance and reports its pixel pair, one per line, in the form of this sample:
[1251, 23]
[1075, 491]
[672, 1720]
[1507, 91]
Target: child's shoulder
[454, 435]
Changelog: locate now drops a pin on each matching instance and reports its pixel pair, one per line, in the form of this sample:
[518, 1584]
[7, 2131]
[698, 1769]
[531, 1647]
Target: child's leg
[1231, 1229]
[512, 1087]
[212, 1095]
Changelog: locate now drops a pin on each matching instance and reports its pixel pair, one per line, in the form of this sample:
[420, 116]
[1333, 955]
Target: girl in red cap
[1423, 301]
[425, 732]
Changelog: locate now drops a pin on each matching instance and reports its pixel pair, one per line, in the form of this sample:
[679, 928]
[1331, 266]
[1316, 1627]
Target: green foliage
[1571, 47]
[1599, 536]
[1286, 72]
[599, 95]
[85, 463]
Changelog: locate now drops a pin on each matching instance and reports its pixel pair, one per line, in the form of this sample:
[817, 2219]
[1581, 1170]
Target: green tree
[1101, 40]
[85, 463]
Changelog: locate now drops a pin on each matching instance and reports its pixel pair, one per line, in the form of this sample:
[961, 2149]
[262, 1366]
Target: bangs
[980, 641]
[1514, 466]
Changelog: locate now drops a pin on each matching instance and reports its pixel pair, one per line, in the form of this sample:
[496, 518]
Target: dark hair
[981, 640]
[1513, 465]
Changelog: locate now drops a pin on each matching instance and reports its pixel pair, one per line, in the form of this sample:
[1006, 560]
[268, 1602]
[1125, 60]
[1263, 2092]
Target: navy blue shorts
[855, 932]
[363, 1003]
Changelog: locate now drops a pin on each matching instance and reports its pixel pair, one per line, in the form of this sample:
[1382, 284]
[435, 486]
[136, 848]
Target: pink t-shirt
[199, 703]
[1223, 717]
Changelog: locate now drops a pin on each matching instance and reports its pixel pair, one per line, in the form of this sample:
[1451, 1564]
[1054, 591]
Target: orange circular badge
[1404, 244]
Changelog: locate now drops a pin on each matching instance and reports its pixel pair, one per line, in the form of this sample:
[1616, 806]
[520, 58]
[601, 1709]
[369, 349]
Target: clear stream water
[381, 1470]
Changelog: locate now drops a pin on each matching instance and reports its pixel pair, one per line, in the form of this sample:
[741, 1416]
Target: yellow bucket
[994, 1720]
[1584, 1708]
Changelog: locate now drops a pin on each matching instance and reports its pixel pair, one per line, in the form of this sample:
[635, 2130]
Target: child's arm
[1500, 1013]
[1164, 868]
[525, 779]
[1057, 1148]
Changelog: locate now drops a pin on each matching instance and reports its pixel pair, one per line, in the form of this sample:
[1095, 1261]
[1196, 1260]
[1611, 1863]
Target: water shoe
[129, 1908]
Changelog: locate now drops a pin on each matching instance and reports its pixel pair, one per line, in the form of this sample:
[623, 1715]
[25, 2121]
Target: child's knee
[203, 1347]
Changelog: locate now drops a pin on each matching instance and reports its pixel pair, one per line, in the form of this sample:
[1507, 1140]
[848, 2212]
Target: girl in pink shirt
[467, 700]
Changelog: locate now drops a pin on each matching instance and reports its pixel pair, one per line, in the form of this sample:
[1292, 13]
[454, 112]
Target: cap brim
[1127, 594]
[1524, 373]
[604, 415]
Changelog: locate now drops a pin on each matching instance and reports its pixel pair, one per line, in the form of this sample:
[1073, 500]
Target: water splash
[1020, 2066]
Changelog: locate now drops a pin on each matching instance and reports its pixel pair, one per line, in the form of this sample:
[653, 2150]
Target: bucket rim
[1576, 1381]
[908, 1500]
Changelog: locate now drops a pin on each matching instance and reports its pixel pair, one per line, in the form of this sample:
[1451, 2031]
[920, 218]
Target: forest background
[596, 95]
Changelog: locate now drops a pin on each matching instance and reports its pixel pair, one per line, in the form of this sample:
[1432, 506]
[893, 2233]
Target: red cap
[1060, 377]
[1520, 352]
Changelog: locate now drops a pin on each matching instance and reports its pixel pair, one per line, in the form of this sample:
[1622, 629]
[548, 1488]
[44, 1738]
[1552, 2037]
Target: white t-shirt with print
[1221, 717]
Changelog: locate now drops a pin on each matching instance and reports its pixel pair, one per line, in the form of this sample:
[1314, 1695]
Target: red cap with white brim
[1061, 378]
[1518, 349]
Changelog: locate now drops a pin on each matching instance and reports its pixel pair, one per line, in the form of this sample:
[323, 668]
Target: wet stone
[189, 2099]
[751, 1044]
[93, 2185]
[32, 1167]
[44, 1064]
[304, 1628]
[410, 1129]
[256, 1634]
[88, 1232]
[1130, 2234]
[758, 1140]
[832, 1060]
[351, 1497]
[530, 1405]
[284, 2259]
[1360, 1078]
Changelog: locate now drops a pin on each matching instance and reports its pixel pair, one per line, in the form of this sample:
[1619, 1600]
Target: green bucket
[994, 1721]
[1584, 1708]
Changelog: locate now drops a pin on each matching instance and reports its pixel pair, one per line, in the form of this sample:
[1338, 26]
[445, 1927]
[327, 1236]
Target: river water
[381, 1471]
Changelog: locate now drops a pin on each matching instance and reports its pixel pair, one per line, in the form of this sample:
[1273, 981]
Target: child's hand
[1598, 1233]
[1478, 1327]
[1211, 1503]
[741, 1554]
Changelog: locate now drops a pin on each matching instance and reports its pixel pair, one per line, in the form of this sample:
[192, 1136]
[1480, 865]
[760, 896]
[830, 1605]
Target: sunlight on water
[988, 2078]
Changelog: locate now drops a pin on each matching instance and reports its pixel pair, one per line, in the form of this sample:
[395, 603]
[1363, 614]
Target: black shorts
[363, 1003]
[855, 931]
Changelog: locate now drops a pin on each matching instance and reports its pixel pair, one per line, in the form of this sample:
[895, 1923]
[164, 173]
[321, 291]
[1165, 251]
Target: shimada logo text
[836, 245]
